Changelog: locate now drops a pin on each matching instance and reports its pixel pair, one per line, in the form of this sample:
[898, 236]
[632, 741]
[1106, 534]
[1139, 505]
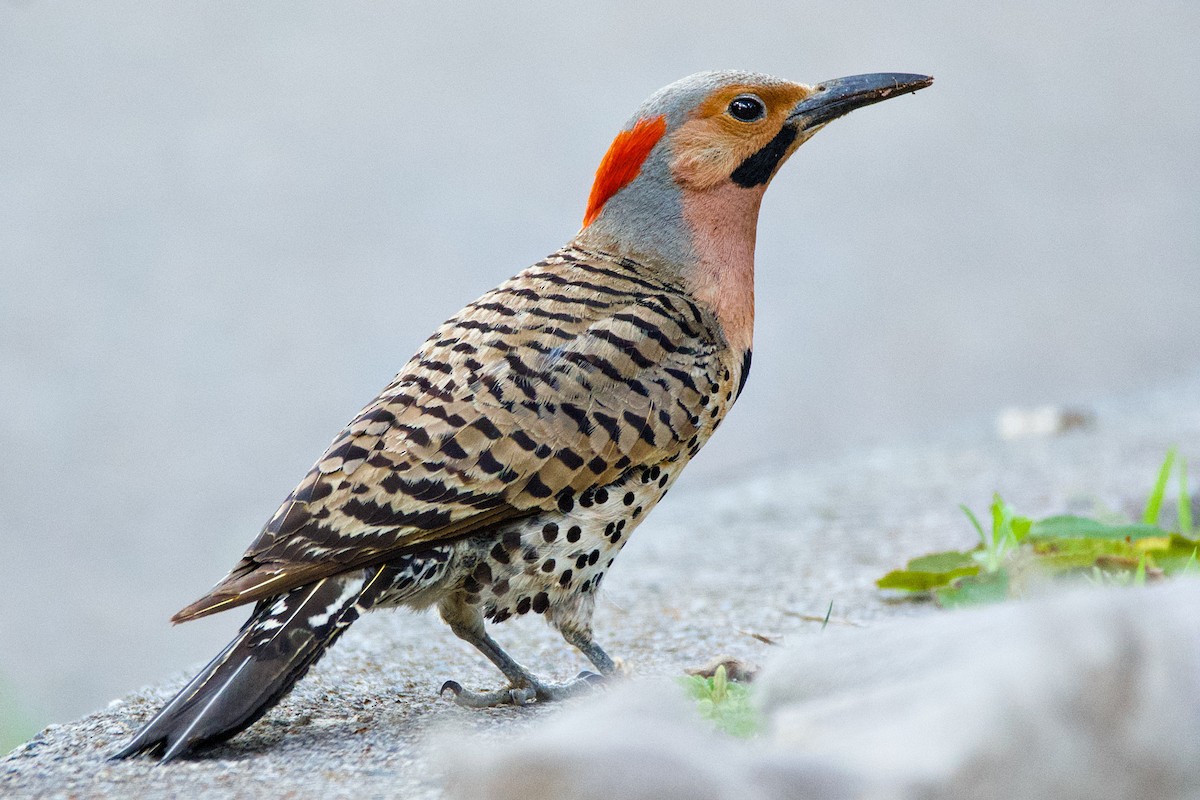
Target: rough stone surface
[1090, 695]
[714, 569]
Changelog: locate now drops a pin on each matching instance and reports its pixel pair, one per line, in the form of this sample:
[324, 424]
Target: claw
[469, 699]
[534, 692]
[523, 697]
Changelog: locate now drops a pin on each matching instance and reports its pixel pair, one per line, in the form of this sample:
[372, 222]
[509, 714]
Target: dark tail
[275, 648]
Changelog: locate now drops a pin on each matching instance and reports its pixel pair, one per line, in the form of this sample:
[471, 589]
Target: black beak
[840, 96]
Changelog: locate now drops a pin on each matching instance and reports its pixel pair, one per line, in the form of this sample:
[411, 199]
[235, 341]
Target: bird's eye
[747, 108]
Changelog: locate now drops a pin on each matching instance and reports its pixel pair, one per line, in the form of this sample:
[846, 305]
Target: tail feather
[284, 637]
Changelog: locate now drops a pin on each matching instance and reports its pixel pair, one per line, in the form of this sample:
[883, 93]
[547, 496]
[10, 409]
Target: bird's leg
[583, 641]
[520, 679]
[523, 687]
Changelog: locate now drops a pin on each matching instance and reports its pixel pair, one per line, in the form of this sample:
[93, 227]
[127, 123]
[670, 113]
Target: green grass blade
[975, 522]
[1154, 502]
[1185, 502]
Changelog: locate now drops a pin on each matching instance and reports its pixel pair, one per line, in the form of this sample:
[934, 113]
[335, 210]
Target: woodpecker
[506, 465]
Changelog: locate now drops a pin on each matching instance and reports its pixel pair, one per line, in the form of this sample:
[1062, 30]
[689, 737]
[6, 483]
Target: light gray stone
[1092, 695]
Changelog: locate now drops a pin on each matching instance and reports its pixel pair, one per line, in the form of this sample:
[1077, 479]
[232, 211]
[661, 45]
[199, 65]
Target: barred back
[563, 378]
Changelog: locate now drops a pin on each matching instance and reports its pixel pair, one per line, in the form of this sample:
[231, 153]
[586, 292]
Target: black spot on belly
[573, 533]
[550, 531]
[565, 580]
[548, 565]
[523, 605]
[541, 601]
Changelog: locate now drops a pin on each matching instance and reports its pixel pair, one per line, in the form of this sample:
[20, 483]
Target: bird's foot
[528, 692]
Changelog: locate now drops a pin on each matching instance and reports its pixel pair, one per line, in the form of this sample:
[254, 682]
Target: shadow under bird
[506, 465]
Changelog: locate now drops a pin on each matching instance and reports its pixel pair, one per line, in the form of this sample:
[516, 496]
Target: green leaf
[1021, 527]
[947, 561]
[1178, 556]
[909, 581]
[1154, 501]
[1069, 527]
[998, 515]
[1060, 555]
[929, 572]
[990, 587]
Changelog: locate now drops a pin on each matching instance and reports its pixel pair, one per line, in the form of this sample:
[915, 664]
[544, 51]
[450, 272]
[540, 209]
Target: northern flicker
[508, 462]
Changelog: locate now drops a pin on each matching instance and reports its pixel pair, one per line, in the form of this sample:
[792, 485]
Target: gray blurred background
[224, 226]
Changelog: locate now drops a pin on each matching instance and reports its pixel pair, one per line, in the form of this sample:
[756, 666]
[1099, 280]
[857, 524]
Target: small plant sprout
[1109, 551]
[723, 702]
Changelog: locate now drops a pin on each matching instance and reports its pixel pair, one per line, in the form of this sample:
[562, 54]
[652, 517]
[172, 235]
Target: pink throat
[724, 221]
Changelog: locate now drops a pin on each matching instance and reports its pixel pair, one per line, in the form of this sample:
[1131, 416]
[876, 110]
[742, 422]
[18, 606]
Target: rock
[1092, 695]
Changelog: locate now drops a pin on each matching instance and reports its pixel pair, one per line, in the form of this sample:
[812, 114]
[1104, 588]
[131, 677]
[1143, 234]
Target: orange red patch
[622, 163]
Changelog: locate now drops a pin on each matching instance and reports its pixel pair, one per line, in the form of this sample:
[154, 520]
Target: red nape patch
[622, 162]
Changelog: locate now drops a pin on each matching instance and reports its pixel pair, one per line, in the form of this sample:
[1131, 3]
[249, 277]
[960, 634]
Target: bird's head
[681, 184]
